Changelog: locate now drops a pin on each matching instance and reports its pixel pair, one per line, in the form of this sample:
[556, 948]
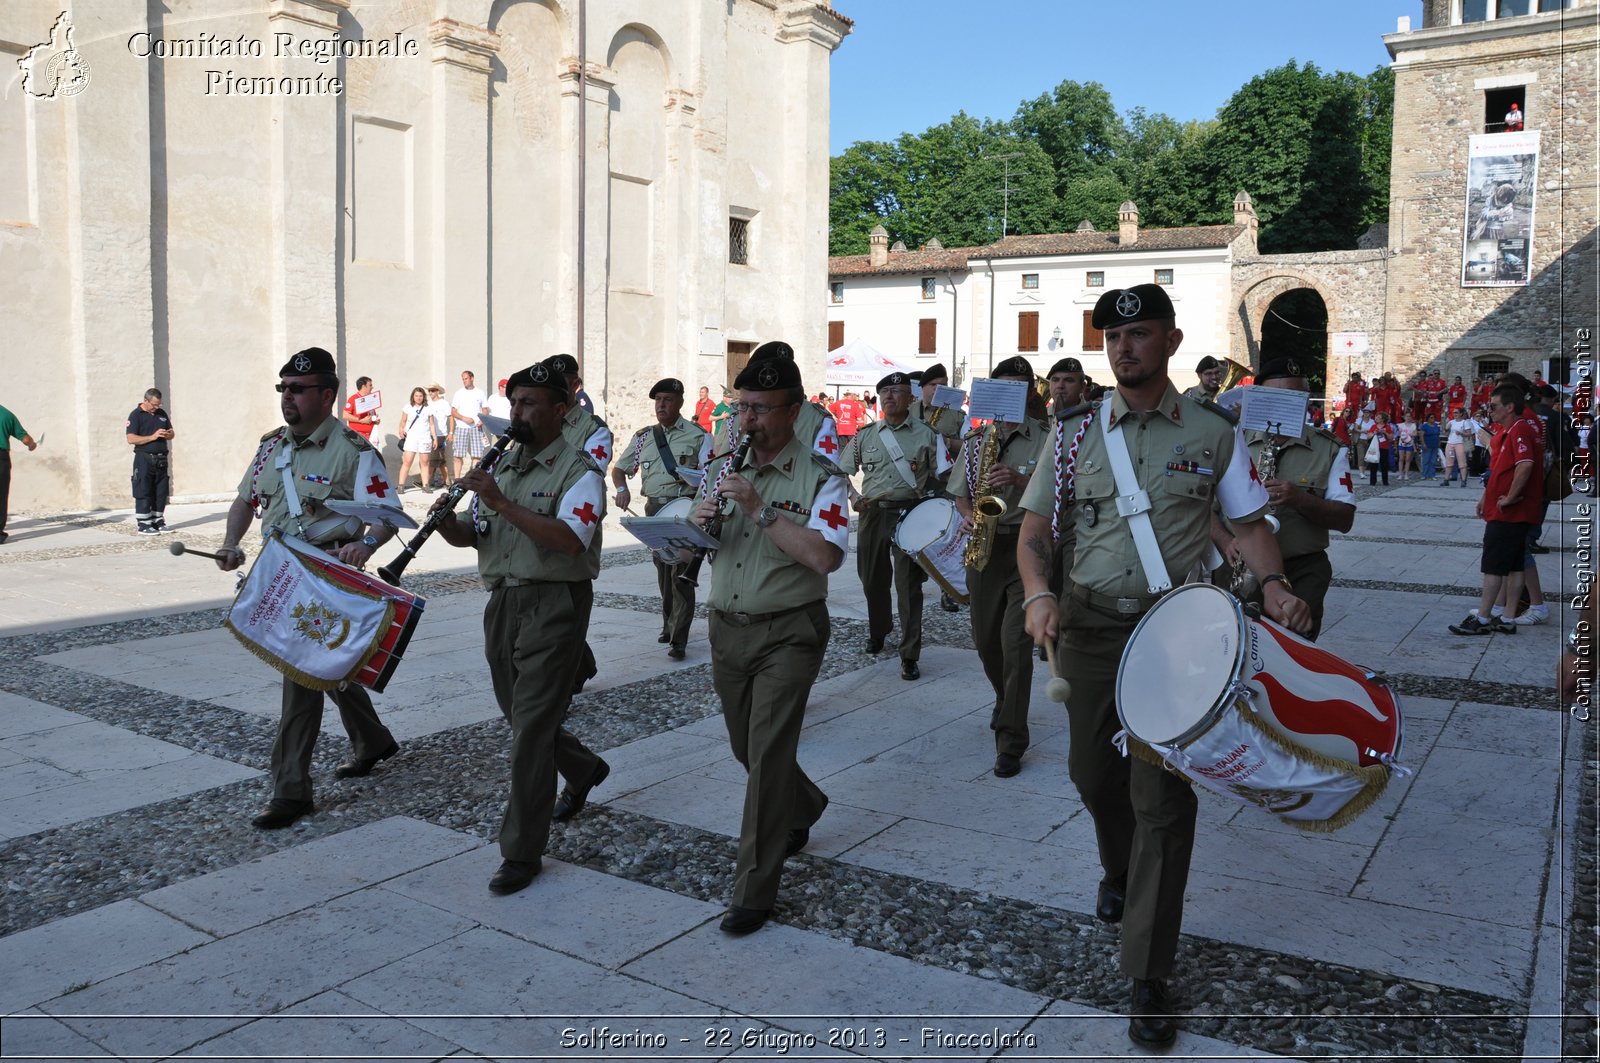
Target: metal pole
[583, 162]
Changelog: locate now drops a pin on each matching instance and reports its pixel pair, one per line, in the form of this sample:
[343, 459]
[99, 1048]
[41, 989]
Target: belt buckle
[1129, 606]
[740, 619]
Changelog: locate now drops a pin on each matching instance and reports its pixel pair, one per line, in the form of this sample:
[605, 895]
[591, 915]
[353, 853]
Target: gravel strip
[1578, 1031]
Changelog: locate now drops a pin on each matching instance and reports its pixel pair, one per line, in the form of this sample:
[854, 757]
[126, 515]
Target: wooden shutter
[1028, 330]
[927, 336]
[1093, 338]
[835, 335]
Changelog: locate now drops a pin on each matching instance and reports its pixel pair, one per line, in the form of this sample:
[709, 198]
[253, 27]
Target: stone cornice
[598, 77]
[807, 20]
[320, 15]
[462, 45]
[1556, 24]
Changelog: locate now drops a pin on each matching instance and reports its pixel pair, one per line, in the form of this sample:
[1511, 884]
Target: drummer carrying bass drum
[1183, 454]
[296, 468]
[904, 461]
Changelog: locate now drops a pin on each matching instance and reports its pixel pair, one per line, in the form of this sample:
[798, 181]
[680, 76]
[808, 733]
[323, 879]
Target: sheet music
[999, 400]
[1275, 410]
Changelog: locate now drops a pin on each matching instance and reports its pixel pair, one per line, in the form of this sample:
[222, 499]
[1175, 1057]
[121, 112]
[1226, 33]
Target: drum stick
[1057, 689]
[179, 549]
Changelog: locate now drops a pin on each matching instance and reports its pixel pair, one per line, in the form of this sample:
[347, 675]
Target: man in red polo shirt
[1509, 507]
[361, 422]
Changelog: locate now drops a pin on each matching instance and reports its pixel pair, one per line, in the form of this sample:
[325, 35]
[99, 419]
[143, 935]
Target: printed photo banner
[1502, 171]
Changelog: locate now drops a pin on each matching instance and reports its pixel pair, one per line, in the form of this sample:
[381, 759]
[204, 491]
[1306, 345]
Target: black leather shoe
[909, 670]
[799, 838]
[513, 876]
[744, 920]
[573, 798]
[579, 680]
[1108, 905]
[280, 812]
[1150, 1020]
[677, 653]
[948, 604]
[1006, 765]
[874, 645]
[663, 637]
[357, 767]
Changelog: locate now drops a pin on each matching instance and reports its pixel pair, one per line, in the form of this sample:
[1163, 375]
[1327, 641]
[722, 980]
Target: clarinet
[391, 572]
[691, 572]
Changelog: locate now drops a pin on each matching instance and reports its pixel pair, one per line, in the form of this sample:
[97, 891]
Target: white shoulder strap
[896, 454]
[1133, 504]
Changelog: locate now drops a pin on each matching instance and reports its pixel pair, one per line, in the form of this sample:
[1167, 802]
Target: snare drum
[930, 534]
[319, 621]
[675, 555]
[1252, 711]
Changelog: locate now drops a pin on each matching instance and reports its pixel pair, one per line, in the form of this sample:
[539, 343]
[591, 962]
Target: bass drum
[930, 534]
[675, 555]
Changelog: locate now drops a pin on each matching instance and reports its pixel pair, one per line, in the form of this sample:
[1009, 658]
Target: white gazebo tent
[860, 363]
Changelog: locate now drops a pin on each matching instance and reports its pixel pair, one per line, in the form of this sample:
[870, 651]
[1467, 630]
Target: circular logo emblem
[767, 376]
[1128, 304]
[301, 363]
[67, 72]
[539, 373]
[1294, 368]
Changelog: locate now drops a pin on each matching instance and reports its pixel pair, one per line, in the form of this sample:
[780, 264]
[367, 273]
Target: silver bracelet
[1030, 599]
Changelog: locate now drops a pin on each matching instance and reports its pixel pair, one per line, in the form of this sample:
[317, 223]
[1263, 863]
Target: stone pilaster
[590, 348]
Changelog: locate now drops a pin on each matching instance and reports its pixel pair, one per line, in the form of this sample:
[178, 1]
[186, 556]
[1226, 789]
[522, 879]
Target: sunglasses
[296, 389]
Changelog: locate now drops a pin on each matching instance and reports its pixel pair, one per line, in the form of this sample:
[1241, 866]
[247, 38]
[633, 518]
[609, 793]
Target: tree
[1377, 140]
[1078, 128]
[863, 190]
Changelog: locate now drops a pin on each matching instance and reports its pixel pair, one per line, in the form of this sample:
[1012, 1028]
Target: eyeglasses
[760, 409]
[296, 389]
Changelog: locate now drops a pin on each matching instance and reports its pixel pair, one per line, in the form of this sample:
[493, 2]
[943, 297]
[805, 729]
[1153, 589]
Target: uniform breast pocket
[1095, 490]
[312, 494]
[542, 507]
[1187, 491]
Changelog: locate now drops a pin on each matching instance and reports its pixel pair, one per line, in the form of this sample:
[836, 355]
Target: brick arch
[1253, 303]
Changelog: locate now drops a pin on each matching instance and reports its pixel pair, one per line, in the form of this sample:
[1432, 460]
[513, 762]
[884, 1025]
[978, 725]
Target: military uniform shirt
[324, 466]
[1020, 450]
[924, 453]
[951, 421]
[752, 575]
[690, 447]
[591, 437]
[1186, 456]
[557, 482]
[1317, 464]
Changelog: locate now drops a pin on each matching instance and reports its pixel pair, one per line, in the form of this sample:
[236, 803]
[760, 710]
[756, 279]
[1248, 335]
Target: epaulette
[270, 435]
[1226, 415]
[590, 461]
[1329, 436]
[597, 419]
[1074, 411]
[974, 433]
[641, 431]
[828, 463]
[360, 441]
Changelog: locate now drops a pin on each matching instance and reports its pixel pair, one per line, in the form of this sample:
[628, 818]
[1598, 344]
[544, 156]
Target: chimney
[879, 239]
[1085, 226]
[1127, 224]
[933, 244]
[1244, 213]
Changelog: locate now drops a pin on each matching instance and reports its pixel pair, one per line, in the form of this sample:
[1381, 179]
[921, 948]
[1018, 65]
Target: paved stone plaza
[938, 912]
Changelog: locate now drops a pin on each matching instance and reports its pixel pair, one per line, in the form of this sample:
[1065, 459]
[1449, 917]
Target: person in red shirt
[1481, 390]
[1355, 393]
[1509, 507]
[361, 422]
[1434, 388]
[849, 414]
[703, 408]
[1457, 395]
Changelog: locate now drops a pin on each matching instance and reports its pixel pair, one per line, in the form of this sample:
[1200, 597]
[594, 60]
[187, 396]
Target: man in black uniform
[149, 428]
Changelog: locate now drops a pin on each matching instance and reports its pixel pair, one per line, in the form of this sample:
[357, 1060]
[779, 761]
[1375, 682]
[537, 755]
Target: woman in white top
[416, 433]
[1463, 436]
[1405, 442]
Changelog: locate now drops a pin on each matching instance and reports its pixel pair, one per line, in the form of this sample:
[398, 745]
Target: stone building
[189, 192]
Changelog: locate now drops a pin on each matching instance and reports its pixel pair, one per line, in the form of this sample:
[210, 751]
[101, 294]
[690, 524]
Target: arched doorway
[1296, 326]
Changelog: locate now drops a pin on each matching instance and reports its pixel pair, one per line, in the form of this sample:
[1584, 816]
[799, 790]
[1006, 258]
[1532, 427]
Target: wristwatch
[767, 517]
[1277, 577]
[370, 541]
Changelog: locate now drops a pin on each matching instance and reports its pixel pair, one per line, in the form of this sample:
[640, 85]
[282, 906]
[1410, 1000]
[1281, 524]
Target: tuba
[987, 508]
[1236, 371]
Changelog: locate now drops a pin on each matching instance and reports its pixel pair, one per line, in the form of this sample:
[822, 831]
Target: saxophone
[987, 508]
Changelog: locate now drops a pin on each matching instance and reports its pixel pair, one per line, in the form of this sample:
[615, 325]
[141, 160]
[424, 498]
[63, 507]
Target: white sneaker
[1540, 612]
[1528, 619]
[1498, 610]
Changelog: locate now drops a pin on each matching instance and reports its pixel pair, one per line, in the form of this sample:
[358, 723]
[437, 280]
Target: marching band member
[1186, 456]
[1211, 373]
[787, 530]
[903, 460]
[313, 458]
[947, 422]
[533, 522]
[814, 425]
[997, 460]
[663, 450]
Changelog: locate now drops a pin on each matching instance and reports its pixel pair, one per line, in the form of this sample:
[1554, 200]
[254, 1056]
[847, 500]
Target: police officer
[1310, 492]
[324, 459]
[1211, 373]
[903, 460]
[997, 629]
[536, 515]
[786, 528]
[589, 436]
[148, 430]
[672, 452]
[1186, 457]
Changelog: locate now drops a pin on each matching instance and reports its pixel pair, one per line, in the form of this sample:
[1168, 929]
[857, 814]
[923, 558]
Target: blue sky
[910, 65]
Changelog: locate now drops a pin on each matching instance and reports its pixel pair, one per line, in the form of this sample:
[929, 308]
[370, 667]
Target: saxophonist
[1309, 488]
[992, 470]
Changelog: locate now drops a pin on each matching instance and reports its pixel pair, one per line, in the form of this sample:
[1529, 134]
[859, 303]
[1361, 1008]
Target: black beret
[936, 371]
[892, 380]
[538, 375]
[1067, 365]
[1277, 368]
[772, 349]
[1121, 306]
[915, 376]
[670, 385]
[769, 374]
[1013, 366]
[1206, 364]
[562, 363]
[312, 361]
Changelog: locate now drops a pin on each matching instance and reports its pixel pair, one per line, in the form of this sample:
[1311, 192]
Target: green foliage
[1312, 149]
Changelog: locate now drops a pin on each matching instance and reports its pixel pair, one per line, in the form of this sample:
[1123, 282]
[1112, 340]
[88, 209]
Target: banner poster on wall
[1501, 173]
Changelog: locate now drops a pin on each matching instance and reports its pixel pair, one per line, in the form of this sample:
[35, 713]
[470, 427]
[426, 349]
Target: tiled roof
[956, 259]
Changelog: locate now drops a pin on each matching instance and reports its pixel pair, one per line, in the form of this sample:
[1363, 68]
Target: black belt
[513, 581]
[894, 503]
[747, 619]
[1107, 603]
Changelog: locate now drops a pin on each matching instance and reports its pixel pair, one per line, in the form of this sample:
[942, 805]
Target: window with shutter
[835, 335]
[1028, 330]
[927, 336]
[1093, 338]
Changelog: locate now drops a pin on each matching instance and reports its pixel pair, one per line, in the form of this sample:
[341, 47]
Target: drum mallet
[178, 550]
[1057, 689]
